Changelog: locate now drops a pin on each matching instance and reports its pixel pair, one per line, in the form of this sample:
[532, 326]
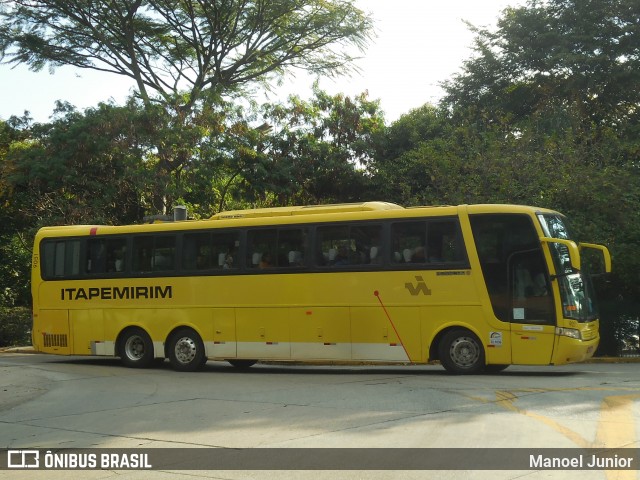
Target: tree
[564, 59]
[80, 168]
[15, 250]
[546, 112]
[317, 151]
[184, 55]
[563, 78]
[406, 151]
[171, 46]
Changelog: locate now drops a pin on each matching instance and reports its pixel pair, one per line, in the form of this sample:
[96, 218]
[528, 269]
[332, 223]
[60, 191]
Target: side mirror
[571, 248]
[606, 256]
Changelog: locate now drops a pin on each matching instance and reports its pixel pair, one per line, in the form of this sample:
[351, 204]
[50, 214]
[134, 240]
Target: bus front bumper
[570, 350]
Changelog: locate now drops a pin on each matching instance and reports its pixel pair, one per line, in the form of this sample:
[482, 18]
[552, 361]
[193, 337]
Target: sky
[419, 44]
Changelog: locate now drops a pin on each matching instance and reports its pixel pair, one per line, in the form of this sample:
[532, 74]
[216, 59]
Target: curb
[24, 349]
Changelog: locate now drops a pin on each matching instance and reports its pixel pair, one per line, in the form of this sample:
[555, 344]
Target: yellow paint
[616, 424]
[384, 315]
[616, 429]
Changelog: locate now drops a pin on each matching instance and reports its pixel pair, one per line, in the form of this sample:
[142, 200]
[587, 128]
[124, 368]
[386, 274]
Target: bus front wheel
[135, 348]
[186, 350]
[461, 352]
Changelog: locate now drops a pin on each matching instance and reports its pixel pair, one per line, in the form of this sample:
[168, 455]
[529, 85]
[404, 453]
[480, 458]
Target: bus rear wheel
[461, 352]
[186, 350]
[135, 348]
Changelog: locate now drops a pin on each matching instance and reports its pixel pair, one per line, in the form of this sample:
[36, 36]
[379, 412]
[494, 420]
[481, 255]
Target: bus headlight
[569, 332]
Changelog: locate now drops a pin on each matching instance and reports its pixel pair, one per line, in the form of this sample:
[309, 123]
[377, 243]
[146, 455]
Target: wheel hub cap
[185, 350]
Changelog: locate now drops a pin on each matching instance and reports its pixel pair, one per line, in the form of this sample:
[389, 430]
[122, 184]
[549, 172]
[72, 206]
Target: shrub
[15, 326]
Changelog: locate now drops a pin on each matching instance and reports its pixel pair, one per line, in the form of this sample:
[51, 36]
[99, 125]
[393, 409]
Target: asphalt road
[49, 402]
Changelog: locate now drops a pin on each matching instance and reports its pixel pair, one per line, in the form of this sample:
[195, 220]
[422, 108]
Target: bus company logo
[419, 287]
[117, 293]
[23, 459]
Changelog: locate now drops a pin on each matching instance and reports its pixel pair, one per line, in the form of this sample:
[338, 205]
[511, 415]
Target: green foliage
[558, 82]
[80, 168]
[184, 58]
[15, 326]
[180, 50]
[15, 269]
[546, 113]
[556, 55]
[317, 150]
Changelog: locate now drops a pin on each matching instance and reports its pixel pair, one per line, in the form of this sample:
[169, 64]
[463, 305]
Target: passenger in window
[265, 262]
[227, 255]
[295, 258]
[119, 261]
[374, 255]
[418, 255]
[361, 256]
[342, 256]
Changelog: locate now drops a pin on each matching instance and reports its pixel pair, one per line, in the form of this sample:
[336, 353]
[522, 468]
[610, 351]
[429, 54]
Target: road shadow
[295, 368]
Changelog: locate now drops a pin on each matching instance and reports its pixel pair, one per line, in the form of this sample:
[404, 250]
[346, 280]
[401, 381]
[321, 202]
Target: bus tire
[186, 350]
[238, 363]
[461, 352]
[135, 348]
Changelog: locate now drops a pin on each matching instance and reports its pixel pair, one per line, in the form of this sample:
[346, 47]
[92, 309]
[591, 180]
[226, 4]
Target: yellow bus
[477, 287]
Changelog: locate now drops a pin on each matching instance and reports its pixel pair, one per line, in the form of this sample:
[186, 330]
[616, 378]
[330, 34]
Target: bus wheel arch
[460, 351]
[185, 349]
[135, 348]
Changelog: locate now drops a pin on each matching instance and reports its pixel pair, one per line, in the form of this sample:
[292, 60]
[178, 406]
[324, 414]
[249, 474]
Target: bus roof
[292, 215]
[306, 210]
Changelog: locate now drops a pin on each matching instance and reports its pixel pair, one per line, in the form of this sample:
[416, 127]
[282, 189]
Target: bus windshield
[576, 290]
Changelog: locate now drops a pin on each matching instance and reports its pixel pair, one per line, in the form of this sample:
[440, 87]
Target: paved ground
[74, 402]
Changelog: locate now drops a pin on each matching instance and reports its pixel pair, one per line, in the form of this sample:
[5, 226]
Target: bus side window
[60, 259]
[367, 240]
[142, 253]
[261, 248]
[164, 253]
[334, 247]
[408, 242]
[154, 253]
[427, 242]
[116, 255]
[196, 251]
[355, 244]
[291, 247]
[96, 256]
[444, 244]
[47, 262]
[225, 250]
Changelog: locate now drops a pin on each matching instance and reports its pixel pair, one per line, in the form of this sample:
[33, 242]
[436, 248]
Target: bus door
[532, 308]
[518, 284]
